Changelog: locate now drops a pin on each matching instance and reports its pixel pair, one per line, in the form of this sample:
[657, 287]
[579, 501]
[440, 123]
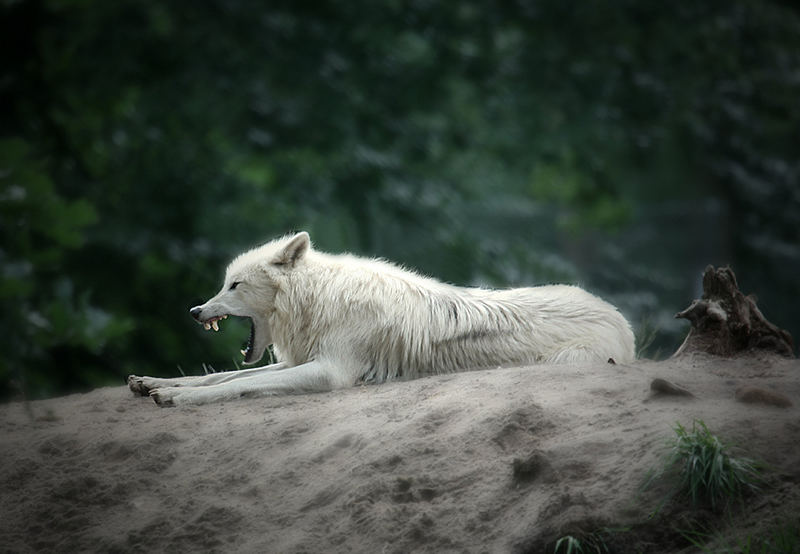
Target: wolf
[337, 320]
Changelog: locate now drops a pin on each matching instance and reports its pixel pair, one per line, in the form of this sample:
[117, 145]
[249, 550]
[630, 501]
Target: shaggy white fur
[335, 320]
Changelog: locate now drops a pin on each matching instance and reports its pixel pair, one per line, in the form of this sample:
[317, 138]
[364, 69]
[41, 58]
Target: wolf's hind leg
[574, 353]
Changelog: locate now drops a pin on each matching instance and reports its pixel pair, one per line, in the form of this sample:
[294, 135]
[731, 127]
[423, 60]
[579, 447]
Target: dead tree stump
[725, 322]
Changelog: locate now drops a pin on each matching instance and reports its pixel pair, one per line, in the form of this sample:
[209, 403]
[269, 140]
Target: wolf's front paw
[137, 386]
[164, 397]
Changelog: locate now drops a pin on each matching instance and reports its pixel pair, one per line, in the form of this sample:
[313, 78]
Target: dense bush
[618, 144]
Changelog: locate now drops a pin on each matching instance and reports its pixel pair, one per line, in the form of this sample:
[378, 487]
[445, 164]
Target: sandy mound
[490, 461]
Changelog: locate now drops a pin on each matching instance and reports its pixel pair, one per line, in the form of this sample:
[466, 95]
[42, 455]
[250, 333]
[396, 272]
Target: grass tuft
[570, 544]
[782, 539]
[646, 334]
[591, 543]
[705, 470]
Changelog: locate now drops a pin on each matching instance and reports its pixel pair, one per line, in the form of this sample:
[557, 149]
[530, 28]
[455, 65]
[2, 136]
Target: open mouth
[253, 351]
[251, 339]
[212, 323]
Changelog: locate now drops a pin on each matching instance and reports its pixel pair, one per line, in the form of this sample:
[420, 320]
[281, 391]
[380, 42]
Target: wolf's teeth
[215, 325]
[207, 326]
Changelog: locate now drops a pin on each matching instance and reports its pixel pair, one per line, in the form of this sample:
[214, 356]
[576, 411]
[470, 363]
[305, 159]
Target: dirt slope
[504, 460]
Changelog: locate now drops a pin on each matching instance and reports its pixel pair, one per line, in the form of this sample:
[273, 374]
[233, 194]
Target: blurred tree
[620, 144]
[48, 321]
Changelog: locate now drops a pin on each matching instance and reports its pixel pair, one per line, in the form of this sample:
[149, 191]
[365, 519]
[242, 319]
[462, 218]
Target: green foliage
[44, 317]
[780, 540]
[569, 545]
[704, 470]
[620, 145]
[768, 539]
[589, 544]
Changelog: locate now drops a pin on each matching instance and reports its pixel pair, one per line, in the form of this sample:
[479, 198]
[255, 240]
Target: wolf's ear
[294, 250]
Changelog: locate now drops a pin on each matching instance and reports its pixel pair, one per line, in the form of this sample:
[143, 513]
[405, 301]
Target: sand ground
[503, 460]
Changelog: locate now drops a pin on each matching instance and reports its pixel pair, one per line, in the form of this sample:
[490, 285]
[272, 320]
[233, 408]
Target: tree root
[725, 322]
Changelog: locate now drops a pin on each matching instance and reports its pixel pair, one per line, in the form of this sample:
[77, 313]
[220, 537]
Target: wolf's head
[251, 282]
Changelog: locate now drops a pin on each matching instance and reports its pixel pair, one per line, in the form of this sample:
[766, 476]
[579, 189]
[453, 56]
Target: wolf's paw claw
[162, 398]
[137, 386]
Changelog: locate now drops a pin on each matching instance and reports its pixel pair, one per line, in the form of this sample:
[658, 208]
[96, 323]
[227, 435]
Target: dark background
[620, 145]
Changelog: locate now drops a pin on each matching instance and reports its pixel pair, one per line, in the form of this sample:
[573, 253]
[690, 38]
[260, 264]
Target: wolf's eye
[234, 285]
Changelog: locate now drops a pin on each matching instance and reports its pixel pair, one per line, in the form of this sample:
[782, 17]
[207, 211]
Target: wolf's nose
[196, 312]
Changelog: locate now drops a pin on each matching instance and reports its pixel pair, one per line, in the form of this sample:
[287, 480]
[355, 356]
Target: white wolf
[336, 320]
